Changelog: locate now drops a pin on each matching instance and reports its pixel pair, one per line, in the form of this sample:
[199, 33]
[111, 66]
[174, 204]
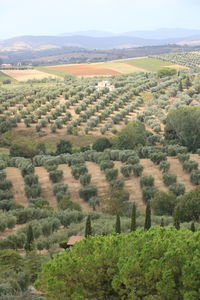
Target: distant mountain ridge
[103, 40]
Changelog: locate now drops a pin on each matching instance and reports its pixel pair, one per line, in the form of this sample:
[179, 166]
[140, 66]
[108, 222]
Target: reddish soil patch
[14, 175]
[46, 184]
[84, 70]
[8, 231]
[73, 187]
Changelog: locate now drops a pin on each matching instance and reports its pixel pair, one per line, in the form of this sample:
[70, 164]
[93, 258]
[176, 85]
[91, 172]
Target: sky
[52, 17]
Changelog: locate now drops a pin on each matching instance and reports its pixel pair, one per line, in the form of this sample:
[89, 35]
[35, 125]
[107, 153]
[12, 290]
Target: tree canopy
[153, 264]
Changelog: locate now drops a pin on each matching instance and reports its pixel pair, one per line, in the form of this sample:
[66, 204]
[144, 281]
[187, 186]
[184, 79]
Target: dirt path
[182, 176]
[73, 187]
[132, 185]
[14, 175]
[98, 179]
[46, 184]
[152, 169]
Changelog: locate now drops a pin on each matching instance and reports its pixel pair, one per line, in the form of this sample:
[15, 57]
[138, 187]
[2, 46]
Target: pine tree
[176, 222]
[162, 224]
[29, 245]
[147, 224]
[118, 224]
[88, 227]
[192, 228]
[133, 217]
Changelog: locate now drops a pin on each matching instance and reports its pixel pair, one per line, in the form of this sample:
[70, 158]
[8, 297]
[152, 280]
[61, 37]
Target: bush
[101, 144]
[133, 160]
[56, 176]
[66, 203]
[31, 179]
[190, 165]
[64, 147]
[195, 177]
[188, 206]
[126, 170]
[5, 185]
[148, 193]
[60, 187]
[77, 171]
[33, 191]
[85, 179]
[111, 174]
[163, 203]
[137, 170]
[106, 164]
[164, 166]
[157, 157]
[118, 183]
[169, 179]
[177, 188]
[147, 181]
[183, 157]
[88, 192]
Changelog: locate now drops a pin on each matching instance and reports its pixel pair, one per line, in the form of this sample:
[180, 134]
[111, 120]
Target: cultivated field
[24, 75]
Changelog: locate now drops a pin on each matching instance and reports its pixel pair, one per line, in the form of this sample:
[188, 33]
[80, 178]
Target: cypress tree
[133, 217]
[180, 87]
[118, 224]
[29, 245]
[176, 222]
[88, 227]
[147, 224]
[162, 224]
[192, 228]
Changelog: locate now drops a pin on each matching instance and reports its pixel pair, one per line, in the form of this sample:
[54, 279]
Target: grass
[3, 77]
[52, 72]
[149, 64]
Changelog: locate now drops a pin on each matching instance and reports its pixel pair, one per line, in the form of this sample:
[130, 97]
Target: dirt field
[24, 75]
[85, 70]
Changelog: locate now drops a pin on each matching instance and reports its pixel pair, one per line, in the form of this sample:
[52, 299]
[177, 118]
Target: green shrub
[183, 157]
[126, 170]
[169, 179]
[101, 144]
[146, 181]
[133, 160]
[106, 164]
[163, 203]
[85, 179]
[5, 185]
[148, 193]
[88, 192]
[118, 183]
[60, 187]
[195, 177]
[137, 170]
[164, 166]
[177, 188]
[33, 191]
[31, 179]
[190, 165]
[111, 174]
[56, 176]
[157, 157]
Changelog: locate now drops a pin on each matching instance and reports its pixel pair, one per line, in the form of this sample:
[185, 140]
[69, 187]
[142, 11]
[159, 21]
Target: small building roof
[73, 239]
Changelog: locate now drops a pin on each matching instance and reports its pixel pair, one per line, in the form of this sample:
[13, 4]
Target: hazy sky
[37, 17]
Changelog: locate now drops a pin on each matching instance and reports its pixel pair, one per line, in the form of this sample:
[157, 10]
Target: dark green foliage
[192, 227]
[111, 174]
[162, 223]
[177, 188]
[56, 176]
[163, 203]
[126, 170]
[142, 259]
[88, 192]
[5, 185]
[183, 157]
[190, 165]
[117, 202]
[60, 187]
[169, 179]
[157, 157]
[166, 72]
[137, 170]
[164, 166]
[176, 221]
[64, 147]
[195, 177]
[148, 193]
[31, 179]
[33, 191]
[94, 202]
[77, 171]
[147, 224]
[88, 227]
[118, 183]
[106, 164]
[132, 160]
[85, 179]
[101, 144]
[133, 218]
[118, 225]
[132, 135]
[29, 246]
[183, 125]
[188, 206]
[147, 181]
